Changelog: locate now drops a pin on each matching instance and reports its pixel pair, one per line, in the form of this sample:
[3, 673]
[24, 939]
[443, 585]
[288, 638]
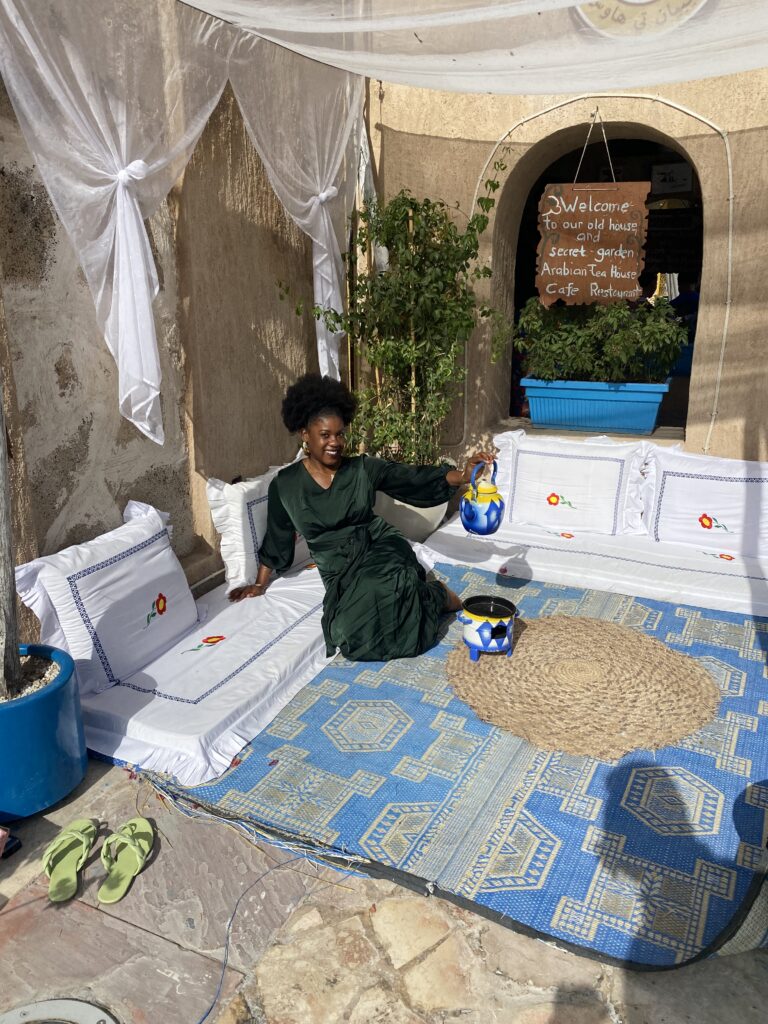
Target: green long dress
[378, 603]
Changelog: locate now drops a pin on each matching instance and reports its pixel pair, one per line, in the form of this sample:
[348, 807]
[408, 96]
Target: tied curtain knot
[322, 197]
[135, 171]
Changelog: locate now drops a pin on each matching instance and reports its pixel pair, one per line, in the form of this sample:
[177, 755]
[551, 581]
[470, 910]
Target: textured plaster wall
[228, 347]
[437, 143]
[244, 345]
[83, 460]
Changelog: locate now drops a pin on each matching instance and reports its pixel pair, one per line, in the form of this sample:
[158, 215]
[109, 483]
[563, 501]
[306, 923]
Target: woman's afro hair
[312, 396]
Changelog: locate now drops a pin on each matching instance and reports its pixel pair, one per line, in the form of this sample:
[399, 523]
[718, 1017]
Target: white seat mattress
[624, 564]
[190, 711]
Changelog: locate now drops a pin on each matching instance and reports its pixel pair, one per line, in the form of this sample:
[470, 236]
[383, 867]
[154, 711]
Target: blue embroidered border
[562, 455]
[698, 476]
[248, 511]
[235, 672]
[81, 574]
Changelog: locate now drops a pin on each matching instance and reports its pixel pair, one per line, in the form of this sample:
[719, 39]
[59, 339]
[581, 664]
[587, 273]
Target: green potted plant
[598, 367]
[42, 741]
[412, 311]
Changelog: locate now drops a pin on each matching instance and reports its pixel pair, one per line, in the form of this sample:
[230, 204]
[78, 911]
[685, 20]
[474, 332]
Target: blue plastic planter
[42, 742]
[590, 405]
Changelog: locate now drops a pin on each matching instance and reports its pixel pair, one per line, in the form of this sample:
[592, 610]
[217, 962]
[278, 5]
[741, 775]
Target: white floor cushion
[239, 513]
[190, 711]
[563, 484]
[634, 565]
[712, 503]
[115, 603]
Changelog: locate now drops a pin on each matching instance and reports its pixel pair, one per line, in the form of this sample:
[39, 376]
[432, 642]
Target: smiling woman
[378, 602]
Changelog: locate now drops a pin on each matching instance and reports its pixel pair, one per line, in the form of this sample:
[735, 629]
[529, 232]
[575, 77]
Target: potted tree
[598, 367]
[42, 742]
[413, 308]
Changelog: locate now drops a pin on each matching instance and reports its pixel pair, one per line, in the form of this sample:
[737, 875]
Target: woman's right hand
[252, 590]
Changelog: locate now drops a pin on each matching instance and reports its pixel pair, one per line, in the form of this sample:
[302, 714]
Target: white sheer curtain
[515, 46]
[112, 96]
[111, 113]
[307, 134]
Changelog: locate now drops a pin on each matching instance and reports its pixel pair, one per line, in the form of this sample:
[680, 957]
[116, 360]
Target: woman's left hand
[472, 461]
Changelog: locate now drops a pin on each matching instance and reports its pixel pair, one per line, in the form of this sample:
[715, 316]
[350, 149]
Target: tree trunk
[9, 635]
[413, 345]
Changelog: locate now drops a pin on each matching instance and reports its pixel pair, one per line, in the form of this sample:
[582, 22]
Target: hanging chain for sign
[595, 116]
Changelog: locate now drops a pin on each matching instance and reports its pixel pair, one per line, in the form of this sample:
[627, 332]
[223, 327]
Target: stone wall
[437, 144]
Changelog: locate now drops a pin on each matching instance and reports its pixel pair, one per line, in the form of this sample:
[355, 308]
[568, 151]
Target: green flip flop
[65, 855]
[124, 854]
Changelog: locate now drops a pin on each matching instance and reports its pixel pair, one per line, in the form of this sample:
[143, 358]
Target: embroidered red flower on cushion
[207, 641]
[159, 607]
[726, 558]
[707, 522]
[557, 499]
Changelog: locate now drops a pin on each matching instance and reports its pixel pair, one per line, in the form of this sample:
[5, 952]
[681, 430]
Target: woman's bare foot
[452, 601]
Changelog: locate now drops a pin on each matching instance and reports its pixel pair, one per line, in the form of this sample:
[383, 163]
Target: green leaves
[616, 342]
[410, 323]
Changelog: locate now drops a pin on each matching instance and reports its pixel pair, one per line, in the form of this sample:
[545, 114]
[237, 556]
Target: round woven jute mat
[587, 687]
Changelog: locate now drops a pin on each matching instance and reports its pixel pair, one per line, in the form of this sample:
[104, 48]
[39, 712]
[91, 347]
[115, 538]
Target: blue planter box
[42, 742]
[588, 405]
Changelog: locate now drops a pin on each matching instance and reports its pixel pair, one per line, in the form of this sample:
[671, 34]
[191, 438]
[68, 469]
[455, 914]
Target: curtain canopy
[112, 96]
[515, 46]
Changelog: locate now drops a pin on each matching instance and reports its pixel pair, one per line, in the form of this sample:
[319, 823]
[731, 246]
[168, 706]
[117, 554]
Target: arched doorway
[674, 242]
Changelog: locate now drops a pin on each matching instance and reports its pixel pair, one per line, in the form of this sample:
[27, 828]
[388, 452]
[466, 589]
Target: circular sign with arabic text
[638, 17]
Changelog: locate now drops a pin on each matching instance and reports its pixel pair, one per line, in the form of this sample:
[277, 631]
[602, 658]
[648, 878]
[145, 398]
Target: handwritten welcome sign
[592, 242]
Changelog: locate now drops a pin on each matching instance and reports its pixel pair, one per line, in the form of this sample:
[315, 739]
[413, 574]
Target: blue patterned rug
[653, 860]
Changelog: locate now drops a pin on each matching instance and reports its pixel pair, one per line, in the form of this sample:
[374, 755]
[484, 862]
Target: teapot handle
[473, 479]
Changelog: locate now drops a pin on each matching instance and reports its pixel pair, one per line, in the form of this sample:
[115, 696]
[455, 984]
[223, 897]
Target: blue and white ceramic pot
[482, 507]
[488, 624]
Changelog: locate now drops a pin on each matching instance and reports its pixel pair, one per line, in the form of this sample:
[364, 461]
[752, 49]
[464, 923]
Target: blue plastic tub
[587, 405]
[42, 742]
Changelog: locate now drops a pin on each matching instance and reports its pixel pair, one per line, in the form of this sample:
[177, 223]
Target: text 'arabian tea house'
[592, 242]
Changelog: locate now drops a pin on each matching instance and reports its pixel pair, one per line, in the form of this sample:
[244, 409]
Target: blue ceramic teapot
[482, 507]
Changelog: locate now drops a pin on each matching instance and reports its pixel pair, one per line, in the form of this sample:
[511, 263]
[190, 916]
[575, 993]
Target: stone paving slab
[733, 990]
[198, 871]
[71, 949]
[102, 786]
[378, 954]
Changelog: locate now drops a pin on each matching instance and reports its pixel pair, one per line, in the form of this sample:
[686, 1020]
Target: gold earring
[305, 446]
